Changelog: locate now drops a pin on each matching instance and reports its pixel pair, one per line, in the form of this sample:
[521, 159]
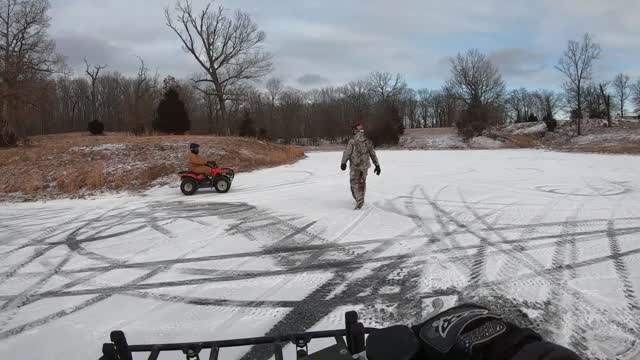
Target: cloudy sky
[329, 42]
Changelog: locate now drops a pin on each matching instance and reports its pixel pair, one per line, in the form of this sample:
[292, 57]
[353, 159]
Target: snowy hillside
[551, 235]
[443, 139]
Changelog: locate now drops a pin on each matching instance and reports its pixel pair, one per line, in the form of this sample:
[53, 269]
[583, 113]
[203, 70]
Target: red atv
[220, 179]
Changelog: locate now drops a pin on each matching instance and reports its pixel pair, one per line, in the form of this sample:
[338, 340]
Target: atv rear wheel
[189, 186]
[222, 184]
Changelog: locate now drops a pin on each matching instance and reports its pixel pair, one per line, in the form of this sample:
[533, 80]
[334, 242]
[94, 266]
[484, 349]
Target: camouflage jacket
[358, 152]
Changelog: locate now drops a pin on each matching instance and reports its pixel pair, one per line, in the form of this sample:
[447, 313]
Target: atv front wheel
[222, 184]
[189, 186]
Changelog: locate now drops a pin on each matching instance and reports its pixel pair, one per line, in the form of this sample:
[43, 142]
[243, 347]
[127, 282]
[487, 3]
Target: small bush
[386, 127]
[473, 121]
[96, 127]
[138, 130]
[8, 138]
[262, 134]
[533, 118]
[25, 141]
[246, 127]
[597, 114]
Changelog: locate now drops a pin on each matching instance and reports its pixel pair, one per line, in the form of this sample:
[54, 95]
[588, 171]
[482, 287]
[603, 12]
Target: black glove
[377, 170]
[343, 167]
[470, 331]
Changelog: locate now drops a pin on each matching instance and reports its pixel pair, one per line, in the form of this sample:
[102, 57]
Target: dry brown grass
[430, 131]
[522, 141]
[631, 149]
[73, 164]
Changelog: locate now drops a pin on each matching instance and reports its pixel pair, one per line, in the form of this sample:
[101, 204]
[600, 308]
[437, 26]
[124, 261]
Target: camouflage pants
[358, 184]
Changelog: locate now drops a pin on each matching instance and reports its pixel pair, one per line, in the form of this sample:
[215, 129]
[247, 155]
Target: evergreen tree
[171, 117]
[247, 128]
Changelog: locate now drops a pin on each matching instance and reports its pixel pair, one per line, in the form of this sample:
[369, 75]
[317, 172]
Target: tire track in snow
[619, 263]
[70, 310]
[13, 305]
[400, 260]
[526, 234]
[560, 281]
[92, 301]
[535, 267]
[478, 265]
[45, 235]
[75, 246]
[621, 269]
[631, 230]
[446, 237]
[561, 305]
[312, 247]
[301, 318]
[475, 265]
[37, 254]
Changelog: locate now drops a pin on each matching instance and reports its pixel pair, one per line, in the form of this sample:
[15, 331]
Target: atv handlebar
[354, 333]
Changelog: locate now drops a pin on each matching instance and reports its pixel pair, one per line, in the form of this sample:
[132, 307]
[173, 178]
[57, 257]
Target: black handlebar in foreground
[354, 332]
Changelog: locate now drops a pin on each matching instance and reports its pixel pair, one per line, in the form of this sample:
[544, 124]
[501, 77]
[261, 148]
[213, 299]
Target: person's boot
[359, 204]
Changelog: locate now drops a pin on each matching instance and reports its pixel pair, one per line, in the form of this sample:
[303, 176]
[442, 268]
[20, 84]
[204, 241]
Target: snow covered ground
[551, 235]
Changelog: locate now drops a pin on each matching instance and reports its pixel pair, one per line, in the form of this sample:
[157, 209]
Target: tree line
[232, 95]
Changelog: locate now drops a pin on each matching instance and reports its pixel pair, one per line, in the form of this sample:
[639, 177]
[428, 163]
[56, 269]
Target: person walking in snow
[358, 151]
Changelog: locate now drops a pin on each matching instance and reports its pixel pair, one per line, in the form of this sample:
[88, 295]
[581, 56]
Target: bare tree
[475, 79]
[112, 100]
[549, 102]
[27, 54]
[292, 103]
[478, 83]
[425, 99]
[66, 103]
[593, 103]
[141, 86]
[621, 87]
[386, 86]
[451, 106]
[357, 95]
[93, 73]
[229, 49]
[144, 85]
[606, 99]
[411, 108]
[521, 104]
[577, 66]
[80, 93]
[635, 95]
[274, 89]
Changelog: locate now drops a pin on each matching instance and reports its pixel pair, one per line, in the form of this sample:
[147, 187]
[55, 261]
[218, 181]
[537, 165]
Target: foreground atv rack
[354, 333]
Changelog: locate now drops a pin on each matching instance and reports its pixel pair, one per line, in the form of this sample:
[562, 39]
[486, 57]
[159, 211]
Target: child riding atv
[204, 174]
[197, 163]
